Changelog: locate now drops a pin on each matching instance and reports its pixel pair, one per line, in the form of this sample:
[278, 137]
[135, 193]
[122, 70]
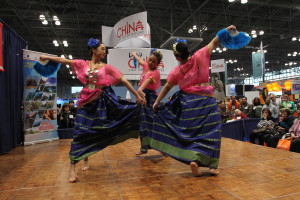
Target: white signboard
[123, 60]
[131, 27]
[217, 65]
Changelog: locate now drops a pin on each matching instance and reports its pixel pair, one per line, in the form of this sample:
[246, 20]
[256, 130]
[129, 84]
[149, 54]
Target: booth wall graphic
[39, 101]
[218, 78]
[123, 60]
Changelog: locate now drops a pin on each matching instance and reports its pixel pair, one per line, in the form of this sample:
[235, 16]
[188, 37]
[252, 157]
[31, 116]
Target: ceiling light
[62, 56]
[213, 51]
[224, 49]
[235, 61]
[71, 72]
[295, 52]
[261, 32]
[267, 62]
[254, 36]
[190, 30]
[70, 56]
[67, 66]
[45, 22]
[247, 34]
[286, 64]
[265, 51]
[295, 63]
[289, 54]
[54, 41]
[218, 49]
[57, 23]
[253, 32]
[73, 77]
[244, 1]
[231, 0]
[195, 27]
[230, 60]
[42, 17]
[294, 39]
[56, 44]
[55, 18]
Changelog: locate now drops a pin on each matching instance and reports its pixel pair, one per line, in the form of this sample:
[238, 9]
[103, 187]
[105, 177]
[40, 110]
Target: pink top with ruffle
[154, 75]
[193, 76]
[106, 76]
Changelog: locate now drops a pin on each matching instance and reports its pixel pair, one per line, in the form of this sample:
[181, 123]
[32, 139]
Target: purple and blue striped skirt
[105, 121]
[187, 128]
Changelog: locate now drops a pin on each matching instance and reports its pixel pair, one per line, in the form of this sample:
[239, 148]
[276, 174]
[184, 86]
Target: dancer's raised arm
[56, 59]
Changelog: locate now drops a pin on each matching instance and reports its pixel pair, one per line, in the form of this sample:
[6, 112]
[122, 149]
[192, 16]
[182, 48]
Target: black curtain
[11, 90]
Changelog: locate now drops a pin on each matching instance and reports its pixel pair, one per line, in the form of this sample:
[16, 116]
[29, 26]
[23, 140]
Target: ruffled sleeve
[114, 74]
[79, 68]
[173, 77]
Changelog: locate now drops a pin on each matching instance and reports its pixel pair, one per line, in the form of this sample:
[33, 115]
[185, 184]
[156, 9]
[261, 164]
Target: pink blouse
[106, 75]
[154, 75]
[193, 76]
[296, 128]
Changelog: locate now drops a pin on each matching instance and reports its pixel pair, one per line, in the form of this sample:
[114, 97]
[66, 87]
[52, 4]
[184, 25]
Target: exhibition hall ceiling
[81, 19]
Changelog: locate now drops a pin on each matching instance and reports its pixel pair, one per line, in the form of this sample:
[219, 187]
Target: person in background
[287, 104]
[223, 111]
[284, 124]
[272, 108]
[233, 104]
[66, 119]
[219, 90]
[256, 108]
[246, 108]
[275, 101]
[267, 122]
[295, 135]
[239, 115]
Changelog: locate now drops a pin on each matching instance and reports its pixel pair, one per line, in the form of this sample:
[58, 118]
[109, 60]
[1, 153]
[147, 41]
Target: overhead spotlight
[286, 64]
[289, 54]
[42, 17]
[244, 1]
[231, 0]
[261, 32]
[56, 44]
[253, 52]
[265, 51]
[70, 56]
[68, 66]
[65, 43]
[190, 30]
[294, 39]
[253, 32]
[254, 36]
[71, 72]
[295, 63]
[54, 41]
[224, 49]
[213, 51]
[55, 18]
[205, 28]
[230, 61]
[226, 61]
[267, 62]
[62, 56]
[195, 27]
[290, 63]
[73, 77]
[218, 49]
[45, 22]
[235, 61]
[295, 52]
[57, 23]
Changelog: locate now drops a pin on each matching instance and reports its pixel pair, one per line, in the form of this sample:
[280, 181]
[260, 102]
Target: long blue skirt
[187, 128]
[105, 121]
[146, 119]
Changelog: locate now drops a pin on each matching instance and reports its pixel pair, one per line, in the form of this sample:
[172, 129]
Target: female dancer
[149, 83]
[188, 127]
[102, 119]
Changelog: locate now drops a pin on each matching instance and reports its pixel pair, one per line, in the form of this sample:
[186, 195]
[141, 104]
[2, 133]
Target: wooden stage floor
[247, 171]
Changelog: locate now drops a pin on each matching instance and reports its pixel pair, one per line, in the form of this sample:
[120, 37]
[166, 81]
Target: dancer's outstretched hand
[141, 93]
[43, 57]
[232, 29]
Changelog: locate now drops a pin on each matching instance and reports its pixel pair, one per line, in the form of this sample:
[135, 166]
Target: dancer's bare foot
[73, 177]
[85, 164]
[195, 169]
[214, 171]
[138, 153]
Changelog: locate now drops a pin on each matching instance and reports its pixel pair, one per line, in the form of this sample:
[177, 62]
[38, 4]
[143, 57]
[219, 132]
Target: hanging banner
[1, 52]
[258, 64]
[295, 87]
[39, 101]
[217, 65]
[123, 60]
[132, 31]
